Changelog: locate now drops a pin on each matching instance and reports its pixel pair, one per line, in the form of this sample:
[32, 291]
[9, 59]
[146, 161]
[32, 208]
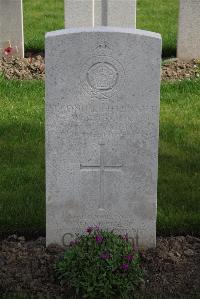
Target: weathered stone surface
[80, 13]
[102, 120]
[11, 28]
[120, 13]
[189, 30]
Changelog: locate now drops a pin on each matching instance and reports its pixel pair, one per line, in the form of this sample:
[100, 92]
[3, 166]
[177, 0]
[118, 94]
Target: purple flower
[125, 267]
[125, 237]
[72, 243]
[96, 228]
[105, 256]
[129, 257]
[99, 239]
[89, 229]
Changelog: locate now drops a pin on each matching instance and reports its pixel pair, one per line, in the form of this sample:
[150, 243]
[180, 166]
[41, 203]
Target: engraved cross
[102, 168]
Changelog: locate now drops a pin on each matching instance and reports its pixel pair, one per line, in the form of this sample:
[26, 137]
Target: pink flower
[125, 267]
[96, 228]
[129, 257]
[105, 256]
[125, 237]
[99, 239]
[8, 51]
[89, 229]
[72, 243]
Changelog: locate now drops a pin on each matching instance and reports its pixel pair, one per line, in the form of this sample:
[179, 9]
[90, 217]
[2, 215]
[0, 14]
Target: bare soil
[34, 68]
[26, 68]
[175, 69]
[172, 269]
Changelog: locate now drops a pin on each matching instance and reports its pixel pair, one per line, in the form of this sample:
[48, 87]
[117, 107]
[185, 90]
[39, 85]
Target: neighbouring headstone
[189, 30]
[80, 13]
[118, 13]
[11, 28]
[102, 124]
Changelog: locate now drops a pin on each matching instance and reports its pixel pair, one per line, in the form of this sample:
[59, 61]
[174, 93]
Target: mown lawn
[160, 16]
[157, 15]
[22, 187]
[179, 158]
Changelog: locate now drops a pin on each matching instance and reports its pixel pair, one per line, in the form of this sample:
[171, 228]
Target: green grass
[41, 16]
[157, 15]
[179, 158]
[22, 187]
[160, 16]
[22, 156]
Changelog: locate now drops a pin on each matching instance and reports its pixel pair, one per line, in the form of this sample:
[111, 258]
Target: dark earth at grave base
[172, 269]
[33, 67]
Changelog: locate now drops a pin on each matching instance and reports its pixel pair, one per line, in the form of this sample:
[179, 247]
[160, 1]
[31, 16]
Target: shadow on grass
[168, 53]
[22, 185]
[34, 52]
[22, 191]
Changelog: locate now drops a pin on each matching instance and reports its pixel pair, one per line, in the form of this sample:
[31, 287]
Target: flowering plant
[100, 264]
[8, 51]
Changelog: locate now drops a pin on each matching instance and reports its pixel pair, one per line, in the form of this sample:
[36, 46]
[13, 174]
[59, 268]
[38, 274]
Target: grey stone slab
[120, 13]
[102, 123]
[78, 13]
[88, 13]
[11, 27]
[189, 30]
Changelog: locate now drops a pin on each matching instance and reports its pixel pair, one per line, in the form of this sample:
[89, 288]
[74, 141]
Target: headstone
[102, 123]
[78, 13]
[189, 30]
[11, 28]
[118, 13]
[88, 13]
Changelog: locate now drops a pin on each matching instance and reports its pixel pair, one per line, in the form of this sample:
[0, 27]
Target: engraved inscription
[103, 45]
[102, 76]
[102, 167]
[70, 239]
[66, 238]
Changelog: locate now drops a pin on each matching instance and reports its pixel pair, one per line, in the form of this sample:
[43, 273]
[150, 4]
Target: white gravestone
[11, 28]
[189, 30]
[102, 125]
[88, 13]
[120, 13]
[78, 13]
